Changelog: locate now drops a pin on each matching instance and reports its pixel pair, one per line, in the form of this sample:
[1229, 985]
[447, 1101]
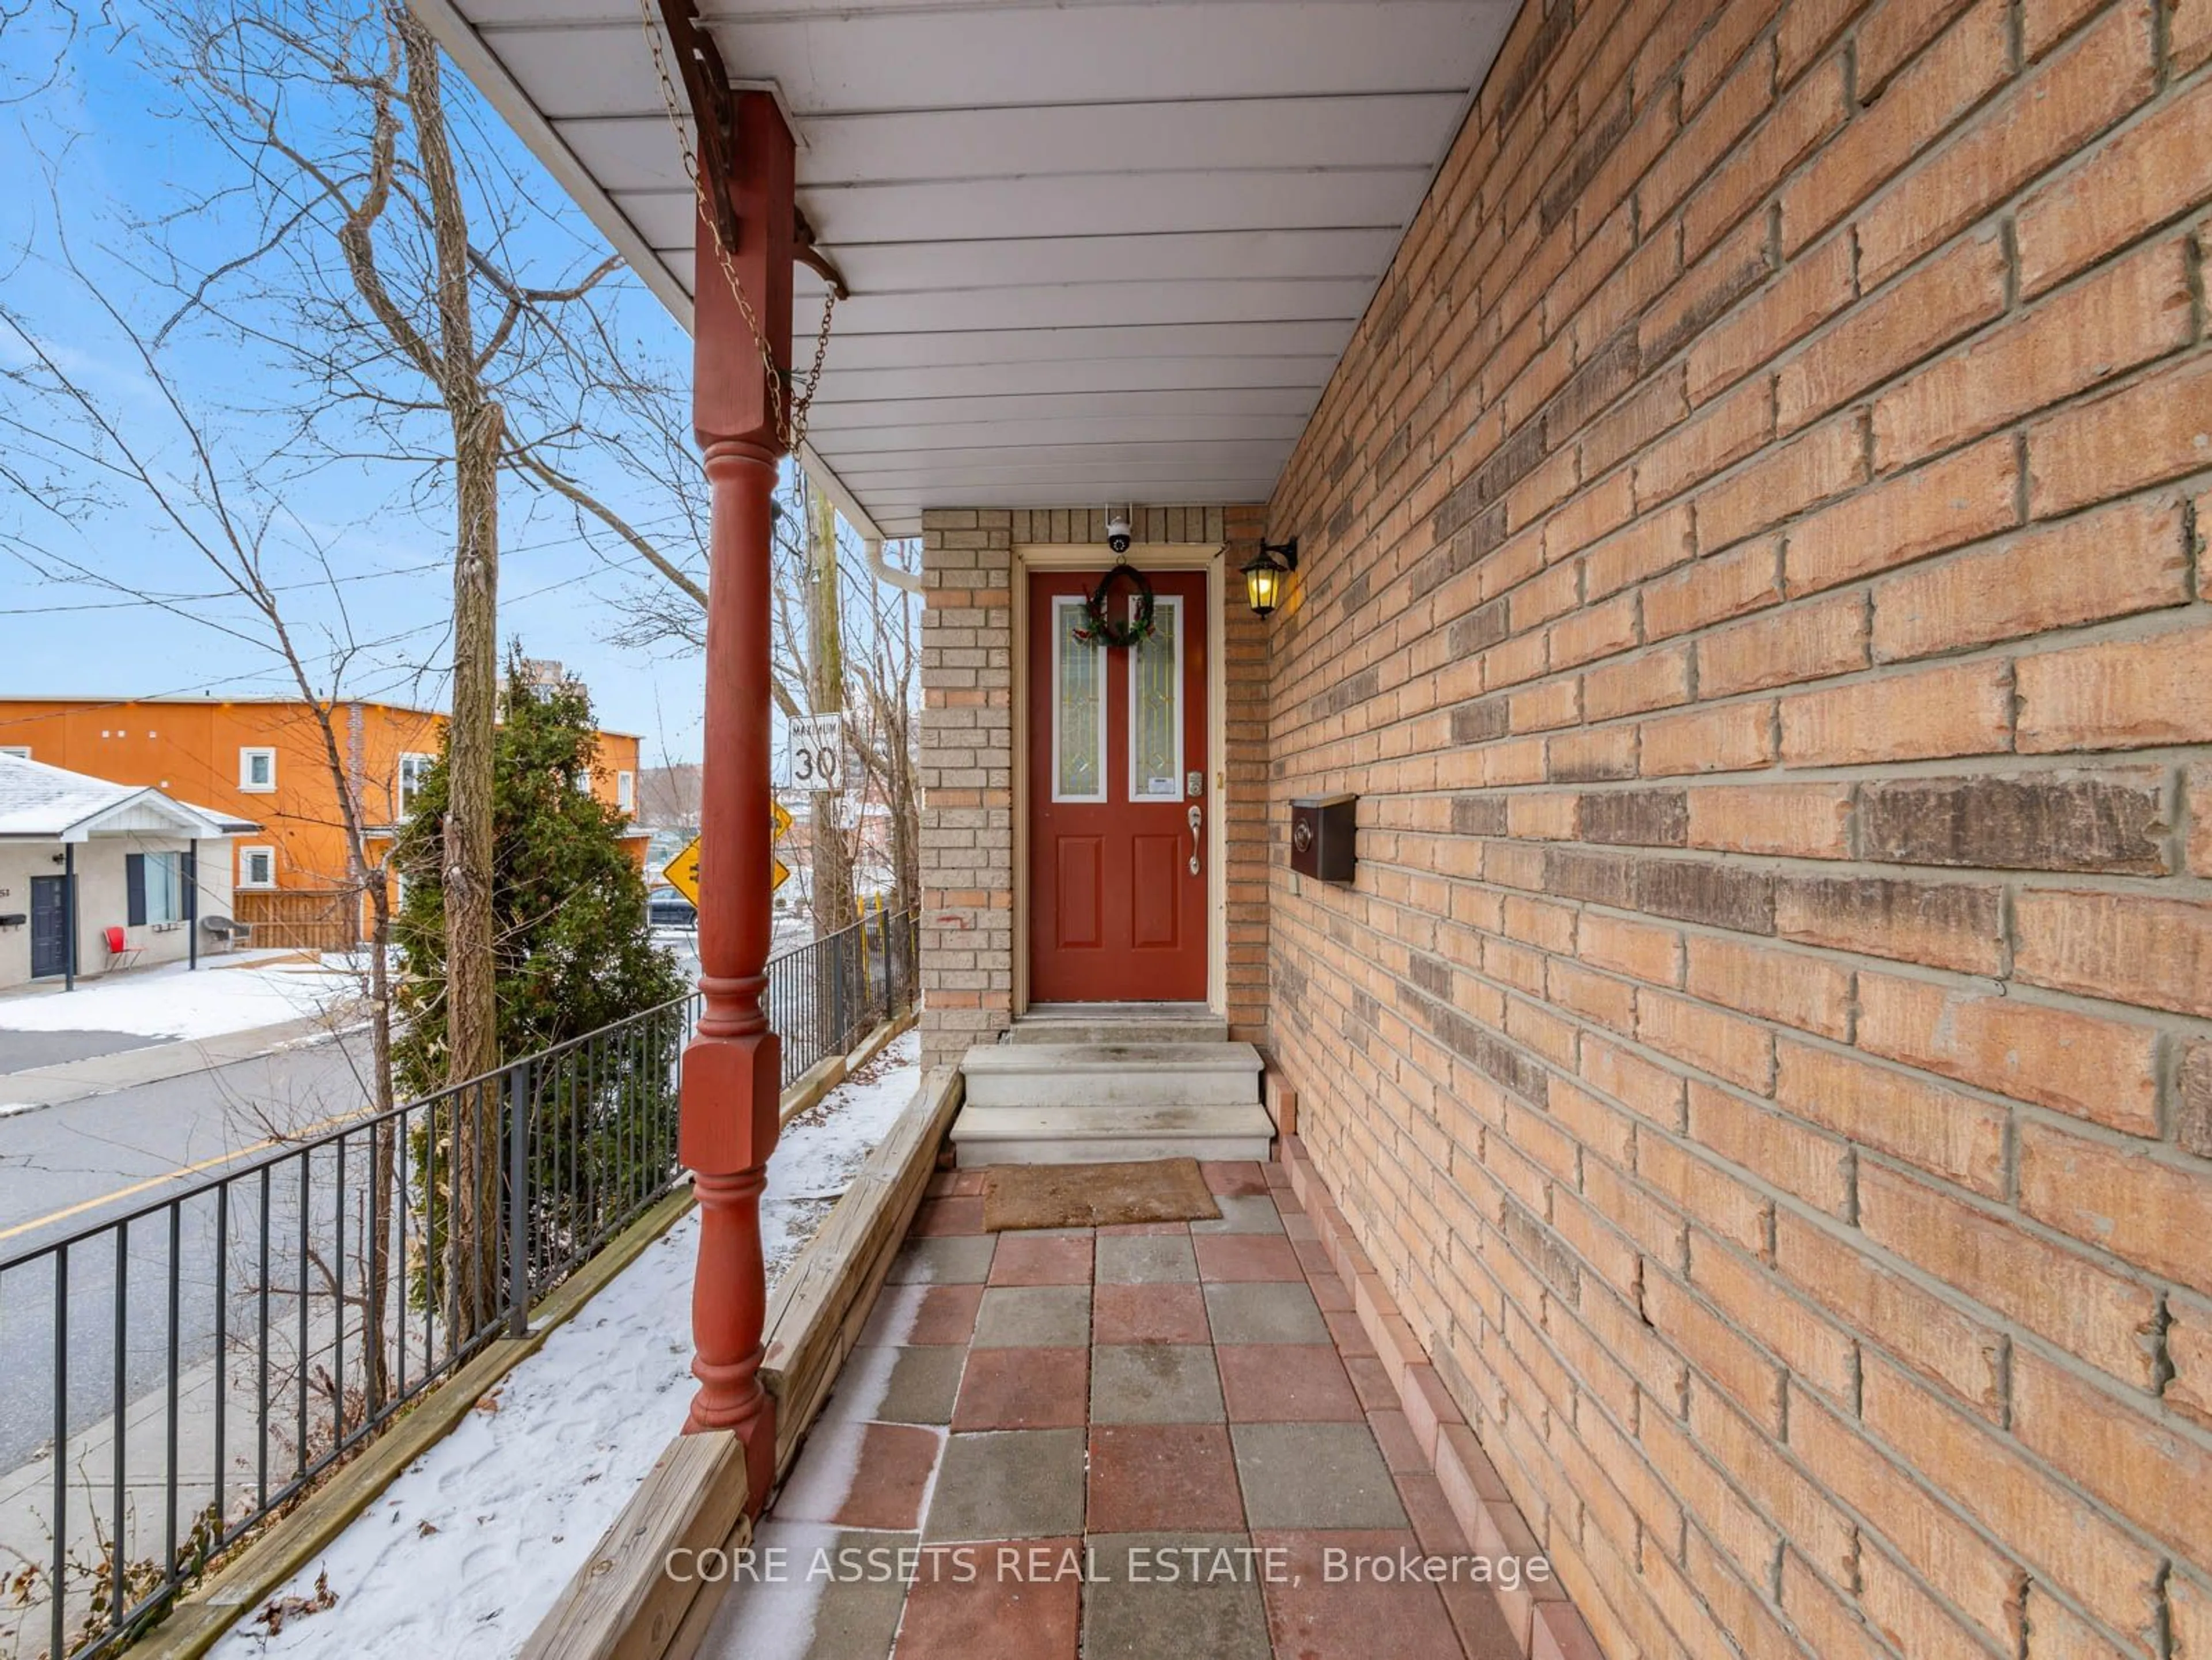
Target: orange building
[263, 759]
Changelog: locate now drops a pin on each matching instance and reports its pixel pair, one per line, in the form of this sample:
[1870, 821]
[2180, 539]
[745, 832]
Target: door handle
[1197, 818]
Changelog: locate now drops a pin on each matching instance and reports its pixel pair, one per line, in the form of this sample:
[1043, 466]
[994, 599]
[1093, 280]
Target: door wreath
[1098, 618]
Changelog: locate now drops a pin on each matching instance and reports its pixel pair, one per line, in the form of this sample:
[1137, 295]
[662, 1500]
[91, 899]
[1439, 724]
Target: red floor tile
[1024, 1389]
[863, 1475]
[947, 1315]
[1285, 1384]
[951, 1183]
[939, 1217]
[1246, 1256]
[1026, 1259]
[1333, 1601]
[1148, 1314]
[1234, 1177]
[1021, 1601]
[896, 1461]
[1179, 1478]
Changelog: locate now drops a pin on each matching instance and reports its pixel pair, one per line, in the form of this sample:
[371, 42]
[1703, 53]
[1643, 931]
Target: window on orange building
[413, 769]
[257, 770]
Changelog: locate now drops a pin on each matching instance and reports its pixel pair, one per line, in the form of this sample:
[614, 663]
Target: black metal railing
[825, 995]
[172, 1375]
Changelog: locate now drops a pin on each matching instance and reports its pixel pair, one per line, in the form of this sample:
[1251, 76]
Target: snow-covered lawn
[469, 1549]
[175, 1001]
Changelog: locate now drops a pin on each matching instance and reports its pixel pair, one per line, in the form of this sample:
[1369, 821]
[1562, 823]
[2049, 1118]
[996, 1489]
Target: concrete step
[1095, 1136]
[1119, 1023]
[1148, 1074]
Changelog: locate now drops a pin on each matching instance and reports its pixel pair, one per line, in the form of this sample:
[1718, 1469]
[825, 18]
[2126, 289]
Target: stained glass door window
[1156, 706]
[1078, 707]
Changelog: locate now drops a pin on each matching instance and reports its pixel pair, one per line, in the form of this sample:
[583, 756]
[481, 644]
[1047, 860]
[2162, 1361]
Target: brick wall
[1754, 580]
[967, 759]
[1244, 800]
[967, 779]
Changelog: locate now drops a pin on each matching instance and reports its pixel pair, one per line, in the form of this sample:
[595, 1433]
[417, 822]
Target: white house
[96, 876]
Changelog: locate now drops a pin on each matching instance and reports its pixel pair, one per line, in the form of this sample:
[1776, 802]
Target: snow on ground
[469, 1549]
[176, 1001]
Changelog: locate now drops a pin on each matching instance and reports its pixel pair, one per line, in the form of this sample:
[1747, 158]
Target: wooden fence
[302, 919]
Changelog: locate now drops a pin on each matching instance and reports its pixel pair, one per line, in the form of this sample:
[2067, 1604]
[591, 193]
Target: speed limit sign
[815, 759]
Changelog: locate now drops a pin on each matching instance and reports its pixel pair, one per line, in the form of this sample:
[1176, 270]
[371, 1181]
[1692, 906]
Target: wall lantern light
[1263, 577]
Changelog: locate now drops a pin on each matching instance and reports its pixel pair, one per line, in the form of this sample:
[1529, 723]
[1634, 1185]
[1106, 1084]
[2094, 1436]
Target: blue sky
[125, 161]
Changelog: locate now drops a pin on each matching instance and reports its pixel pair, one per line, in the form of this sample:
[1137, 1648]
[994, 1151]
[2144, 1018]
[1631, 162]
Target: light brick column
[966, 780]
[1245, 801]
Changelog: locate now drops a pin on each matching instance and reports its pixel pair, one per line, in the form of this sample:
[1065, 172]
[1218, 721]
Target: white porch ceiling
[1098, 249]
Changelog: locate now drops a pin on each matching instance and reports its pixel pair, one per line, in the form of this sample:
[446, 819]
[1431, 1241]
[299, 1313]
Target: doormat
[1095, 1195]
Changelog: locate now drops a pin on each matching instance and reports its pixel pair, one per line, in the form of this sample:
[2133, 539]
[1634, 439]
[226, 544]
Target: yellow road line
[179, 1174]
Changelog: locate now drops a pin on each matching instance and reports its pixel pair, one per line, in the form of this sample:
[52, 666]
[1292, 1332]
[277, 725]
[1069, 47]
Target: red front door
[1118, 800]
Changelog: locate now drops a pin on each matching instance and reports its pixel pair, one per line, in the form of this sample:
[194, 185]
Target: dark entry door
[1118, 800]
[49, 926]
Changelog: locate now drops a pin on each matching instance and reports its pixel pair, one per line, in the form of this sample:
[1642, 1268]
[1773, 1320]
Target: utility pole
[832, 872]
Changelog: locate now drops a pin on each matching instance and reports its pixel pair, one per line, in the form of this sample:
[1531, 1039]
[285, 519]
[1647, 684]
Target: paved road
[62, 1157]
[22, 1050]
[68, 1168]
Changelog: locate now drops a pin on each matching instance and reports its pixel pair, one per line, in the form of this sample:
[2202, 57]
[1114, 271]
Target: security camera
[1117, 535]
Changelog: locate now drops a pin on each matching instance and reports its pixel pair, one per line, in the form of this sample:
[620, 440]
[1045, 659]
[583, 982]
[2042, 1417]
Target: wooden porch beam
[731, 1078]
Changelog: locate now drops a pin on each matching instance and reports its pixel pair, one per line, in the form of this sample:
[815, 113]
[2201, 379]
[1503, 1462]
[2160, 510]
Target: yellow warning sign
[682, 872]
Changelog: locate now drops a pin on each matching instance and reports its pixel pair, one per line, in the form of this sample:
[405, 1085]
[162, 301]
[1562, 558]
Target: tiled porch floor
[1150, 1441]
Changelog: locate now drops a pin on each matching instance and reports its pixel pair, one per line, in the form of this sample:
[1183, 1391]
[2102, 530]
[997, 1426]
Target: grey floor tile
[1034, 1316]
[1212, 1607]
[1154, 1260]
[1155, 1383]
[1244, 1213]
[1314, 1475]
[898, 1385]
[787, 1614]
[1012, 1484]
[1272, 1311]
[955, 1260]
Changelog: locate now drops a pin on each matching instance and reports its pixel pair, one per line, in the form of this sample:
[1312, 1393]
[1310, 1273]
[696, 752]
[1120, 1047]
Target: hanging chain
[791, 428]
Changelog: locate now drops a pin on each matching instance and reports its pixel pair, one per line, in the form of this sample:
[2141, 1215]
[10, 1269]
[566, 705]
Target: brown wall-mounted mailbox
[1322, 836]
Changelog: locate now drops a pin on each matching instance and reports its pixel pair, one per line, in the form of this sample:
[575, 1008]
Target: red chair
[119, 955]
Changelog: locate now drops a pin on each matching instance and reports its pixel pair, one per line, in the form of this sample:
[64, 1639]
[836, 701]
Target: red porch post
[732, 1070]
